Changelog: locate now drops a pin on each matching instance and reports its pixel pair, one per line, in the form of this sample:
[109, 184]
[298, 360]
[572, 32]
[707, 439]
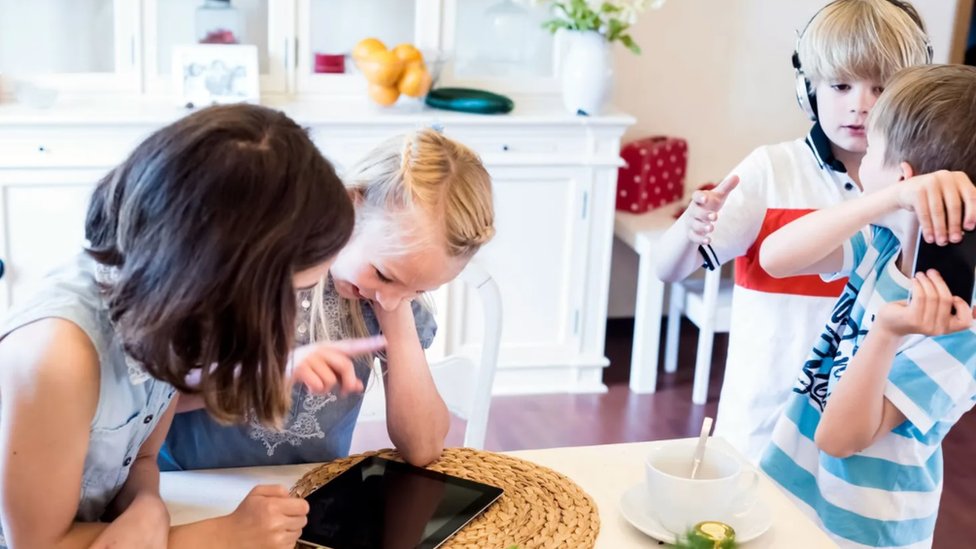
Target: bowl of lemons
[402, 74]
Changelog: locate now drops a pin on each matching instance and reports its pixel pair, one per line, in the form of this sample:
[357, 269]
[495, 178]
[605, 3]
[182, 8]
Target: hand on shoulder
[944, 201]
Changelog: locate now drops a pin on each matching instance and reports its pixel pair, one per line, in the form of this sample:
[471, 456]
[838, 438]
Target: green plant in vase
[587, 29]
[610, 18]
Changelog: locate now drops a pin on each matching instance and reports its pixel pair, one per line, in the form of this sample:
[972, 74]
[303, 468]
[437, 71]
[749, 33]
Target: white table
[640, 232]
[604, 472]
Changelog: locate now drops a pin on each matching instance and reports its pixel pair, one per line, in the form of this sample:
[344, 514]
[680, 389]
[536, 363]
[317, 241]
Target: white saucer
[636, 509]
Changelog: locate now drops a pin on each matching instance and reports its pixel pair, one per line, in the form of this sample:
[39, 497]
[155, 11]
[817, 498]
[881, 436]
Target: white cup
[721, 490]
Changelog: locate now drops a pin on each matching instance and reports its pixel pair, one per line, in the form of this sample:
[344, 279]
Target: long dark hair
[206, 222]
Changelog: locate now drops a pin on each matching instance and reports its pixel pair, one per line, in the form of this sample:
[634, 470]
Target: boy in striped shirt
[843, 59]
[859, 443]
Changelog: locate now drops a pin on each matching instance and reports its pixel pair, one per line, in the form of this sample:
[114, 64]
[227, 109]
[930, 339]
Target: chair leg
[674, 328]
[703, 362]
[647, 328]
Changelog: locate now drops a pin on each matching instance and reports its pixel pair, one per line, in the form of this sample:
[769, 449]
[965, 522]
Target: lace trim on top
[303, 423]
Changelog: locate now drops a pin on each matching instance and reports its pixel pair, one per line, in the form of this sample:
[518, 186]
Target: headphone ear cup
[806, 100]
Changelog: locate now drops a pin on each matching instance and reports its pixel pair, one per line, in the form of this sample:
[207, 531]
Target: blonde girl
[423, 208]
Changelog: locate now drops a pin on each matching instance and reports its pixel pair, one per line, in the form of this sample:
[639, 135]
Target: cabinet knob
[1, 268]
[505, 148]
[41, 148]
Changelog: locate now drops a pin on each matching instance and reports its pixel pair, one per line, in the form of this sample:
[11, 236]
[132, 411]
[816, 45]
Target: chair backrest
[463, 381]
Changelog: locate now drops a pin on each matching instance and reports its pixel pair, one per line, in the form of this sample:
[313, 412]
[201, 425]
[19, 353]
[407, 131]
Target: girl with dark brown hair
[198, 243]
[424, 207]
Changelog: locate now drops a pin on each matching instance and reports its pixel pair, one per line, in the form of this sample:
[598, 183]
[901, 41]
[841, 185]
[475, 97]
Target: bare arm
[677, 253]
[944, 202]
[858, 413]
[268, 518]
[416, 416]
[140, 516]
[813, 244]
[49, 384]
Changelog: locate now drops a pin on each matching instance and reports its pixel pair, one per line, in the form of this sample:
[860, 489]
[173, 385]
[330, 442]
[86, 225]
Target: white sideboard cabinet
[125, 46]
[554, 178]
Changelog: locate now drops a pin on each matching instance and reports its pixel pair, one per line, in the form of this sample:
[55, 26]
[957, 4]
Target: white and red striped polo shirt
[774, 321]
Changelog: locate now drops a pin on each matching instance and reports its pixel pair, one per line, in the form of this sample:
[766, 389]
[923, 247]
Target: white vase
[587, 72]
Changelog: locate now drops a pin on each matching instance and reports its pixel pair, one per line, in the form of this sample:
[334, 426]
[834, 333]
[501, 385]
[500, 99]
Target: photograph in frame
[211, 74]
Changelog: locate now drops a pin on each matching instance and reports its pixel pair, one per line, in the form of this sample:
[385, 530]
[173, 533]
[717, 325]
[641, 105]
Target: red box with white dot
[653, 173]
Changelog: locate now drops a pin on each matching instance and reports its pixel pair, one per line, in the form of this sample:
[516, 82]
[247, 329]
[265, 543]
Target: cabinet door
[75, 46]
[538, 260]
[499, 45]
[266, 24]
[43, 225]
[329, 29]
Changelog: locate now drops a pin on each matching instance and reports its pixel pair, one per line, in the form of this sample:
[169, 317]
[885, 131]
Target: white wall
[718, 73]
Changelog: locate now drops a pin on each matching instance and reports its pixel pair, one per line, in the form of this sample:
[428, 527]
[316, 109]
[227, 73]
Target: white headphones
[804, 97]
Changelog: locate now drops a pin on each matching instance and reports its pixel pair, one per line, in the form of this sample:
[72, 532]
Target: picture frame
[216, 74]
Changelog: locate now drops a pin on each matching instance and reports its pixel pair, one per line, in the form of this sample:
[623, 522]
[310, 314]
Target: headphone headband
[806, 99]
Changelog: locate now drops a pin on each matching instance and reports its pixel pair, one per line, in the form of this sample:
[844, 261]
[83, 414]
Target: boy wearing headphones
[843, 58]
[859, 443]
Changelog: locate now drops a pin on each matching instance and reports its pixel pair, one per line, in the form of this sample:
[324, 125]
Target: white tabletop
[633, 228]
[604, 472]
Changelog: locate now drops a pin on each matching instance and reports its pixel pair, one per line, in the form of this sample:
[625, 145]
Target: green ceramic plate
[469, 100]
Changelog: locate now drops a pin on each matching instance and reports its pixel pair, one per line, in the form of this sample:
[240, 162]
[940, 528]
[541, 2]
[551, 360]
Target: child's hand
[321, 366]
[704, 207]
[143, 525]
[929, 312]
[267, 518]
[945, 203]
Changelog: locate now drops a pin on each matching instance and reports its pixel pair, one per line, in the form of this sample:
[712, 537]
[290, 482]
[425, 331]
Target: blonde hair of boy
[423, 172]
[925, 117]
[862, 39]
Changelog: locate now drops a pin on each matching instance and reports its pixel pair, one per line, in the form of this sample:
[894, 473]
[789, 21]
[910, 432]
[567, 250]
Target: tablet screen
[385, 504]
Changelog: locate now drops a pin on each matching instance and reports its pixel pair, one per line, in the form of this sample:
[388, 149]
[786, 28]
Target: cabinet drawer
[59, 147]
[518, 141]
[343, 150]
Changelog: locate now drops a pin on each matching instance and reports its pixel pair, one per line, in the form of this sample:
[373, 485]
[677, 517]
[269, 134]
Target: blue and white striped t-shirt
[888, 494]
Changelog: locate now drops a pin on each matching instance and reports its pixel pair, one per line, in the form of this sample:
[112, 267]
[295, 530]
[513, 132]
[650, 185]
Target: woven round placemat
[539, 509]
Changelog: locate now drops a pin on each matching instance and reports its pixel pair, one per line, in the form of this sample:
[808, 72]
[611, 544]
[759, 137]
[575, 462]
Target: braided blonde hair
[422, 173]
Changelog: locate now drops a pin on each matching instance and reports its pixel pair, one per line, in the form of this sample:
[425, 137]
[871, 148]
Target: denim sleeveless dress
[130, 402]
[317, 428]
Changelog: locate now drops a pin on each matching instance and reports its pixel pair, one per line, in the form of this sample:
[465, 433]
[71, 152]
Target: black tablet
[383, 504]
[955, 262]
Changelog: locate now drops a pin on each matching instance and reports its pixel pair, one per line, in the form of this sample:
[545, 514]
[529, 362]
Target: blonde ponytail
[420, 173]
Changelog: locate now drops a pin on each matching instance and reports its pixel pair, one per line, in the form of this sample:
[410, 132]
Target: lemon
[381, 67]
[415, 81]
[408, 53]
[365, 47]
[383, 95]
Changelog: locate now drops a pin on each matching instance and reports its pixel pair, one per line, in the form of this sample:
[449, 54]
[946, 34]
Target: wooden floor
[546, 421]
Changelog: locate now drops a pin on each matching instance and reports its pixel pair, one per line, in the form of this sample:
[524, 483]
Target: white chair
[641, 232]
[463, 381]
[708, 304]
